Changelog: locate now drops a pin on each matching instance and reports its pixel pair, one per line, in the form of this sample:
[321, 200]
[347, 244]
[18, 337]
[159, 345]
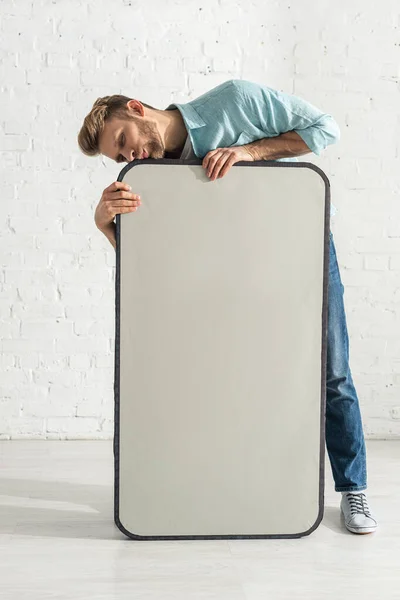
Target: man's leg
[344, 432]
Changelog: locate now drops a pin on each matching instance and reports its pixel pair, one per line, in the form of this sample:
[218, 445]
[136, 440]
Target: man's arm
[218, 162]
[277, 113]
[109, 232]
[291, 127]
[282, 146]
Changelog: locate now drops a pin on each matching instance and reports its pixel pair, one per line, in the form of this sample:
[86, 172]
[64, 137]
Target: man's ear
[136, 107]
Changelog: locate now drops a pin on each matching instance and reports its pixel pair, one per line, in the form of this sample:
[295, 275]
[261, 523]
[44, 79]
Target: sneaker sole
[361, 531]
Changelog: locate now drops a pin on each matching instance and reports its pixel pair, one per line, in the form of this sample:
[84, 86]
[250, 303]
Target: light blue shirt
[239, 112]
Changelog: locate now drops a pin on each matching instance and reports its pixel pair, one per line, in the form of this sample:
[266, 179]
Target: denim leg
[343, 428]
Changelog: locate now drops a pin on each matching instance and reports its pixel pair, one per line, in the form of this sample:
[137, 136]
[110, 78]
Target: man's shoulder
[223, 89]
[234, 90]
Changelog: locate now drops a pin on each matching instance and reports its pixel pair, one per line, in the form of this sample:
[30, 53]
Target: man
[243, 121]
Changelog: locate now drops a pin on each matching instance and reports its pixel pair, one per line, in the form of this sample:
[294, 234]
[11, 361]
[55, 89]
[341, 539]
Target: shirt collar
[192, 118]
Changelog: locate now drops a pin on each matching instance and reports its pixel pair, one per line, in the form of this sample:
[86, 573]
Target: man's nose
[130, 156]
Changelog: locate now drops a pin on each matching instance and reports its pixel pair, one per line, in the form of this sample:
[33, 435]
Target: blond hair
[103, 109]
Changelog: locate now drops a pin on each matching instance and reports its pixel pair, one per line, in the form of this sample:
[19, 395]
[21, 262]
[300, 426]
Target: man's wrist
[109, 232]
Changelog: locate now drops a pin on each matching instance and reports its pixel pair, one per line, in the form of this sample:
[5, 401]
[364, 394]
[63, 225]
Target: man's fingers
[216, 166]
[126, 210]
[117, 203]
[117, 185]
[112, 196]
[112, 209]
[208, 157]
[229, 163]
[212, 162]
[122, 185]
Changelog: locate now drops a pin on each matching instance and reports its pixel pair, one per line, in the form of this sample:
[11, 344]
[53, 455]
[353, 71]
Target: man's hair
[102, 110]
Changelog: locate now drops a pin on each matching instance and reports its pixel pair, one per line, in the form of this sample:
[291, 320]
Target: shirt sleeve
[276, 112]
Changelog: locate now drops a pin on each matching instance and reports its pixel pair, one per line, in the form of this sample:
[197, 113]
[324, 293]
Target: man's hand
[115, 199]
[218, 162]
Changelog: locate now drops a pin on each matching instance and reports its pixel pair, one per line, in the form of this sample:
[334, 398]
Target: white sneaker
[357, 516]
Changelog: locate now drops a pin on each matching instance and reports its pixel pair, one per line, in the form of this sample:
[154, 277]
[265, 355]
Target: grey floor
[58, 539]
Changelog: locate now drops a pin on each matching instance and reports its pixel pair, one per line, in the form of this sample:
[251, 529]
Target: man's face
[135, 137]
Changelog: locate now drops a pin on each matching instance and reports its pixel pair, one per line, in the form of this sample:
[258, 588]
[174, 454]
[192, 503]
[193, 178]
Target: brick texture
[57, 271]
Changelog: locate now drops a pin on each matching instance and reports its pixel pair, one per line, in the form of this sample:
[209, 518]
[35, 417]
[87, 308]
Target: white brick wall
[57, 271]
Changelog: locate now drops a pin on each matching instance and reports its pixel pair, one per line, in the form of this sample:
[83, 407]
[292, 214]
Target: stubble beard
[154, 145]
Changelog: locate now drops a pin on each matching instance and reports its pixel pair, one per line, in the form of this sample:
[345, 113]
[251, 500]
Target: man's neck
[173, 131]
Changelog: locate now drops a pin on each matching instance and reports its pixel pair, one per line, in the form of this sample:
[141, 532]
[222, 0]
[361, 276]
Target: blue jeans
[343, 427]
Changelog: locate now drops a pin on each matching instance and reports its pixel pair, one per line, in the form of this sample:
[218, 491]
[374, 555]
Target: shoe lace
[358, 504]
